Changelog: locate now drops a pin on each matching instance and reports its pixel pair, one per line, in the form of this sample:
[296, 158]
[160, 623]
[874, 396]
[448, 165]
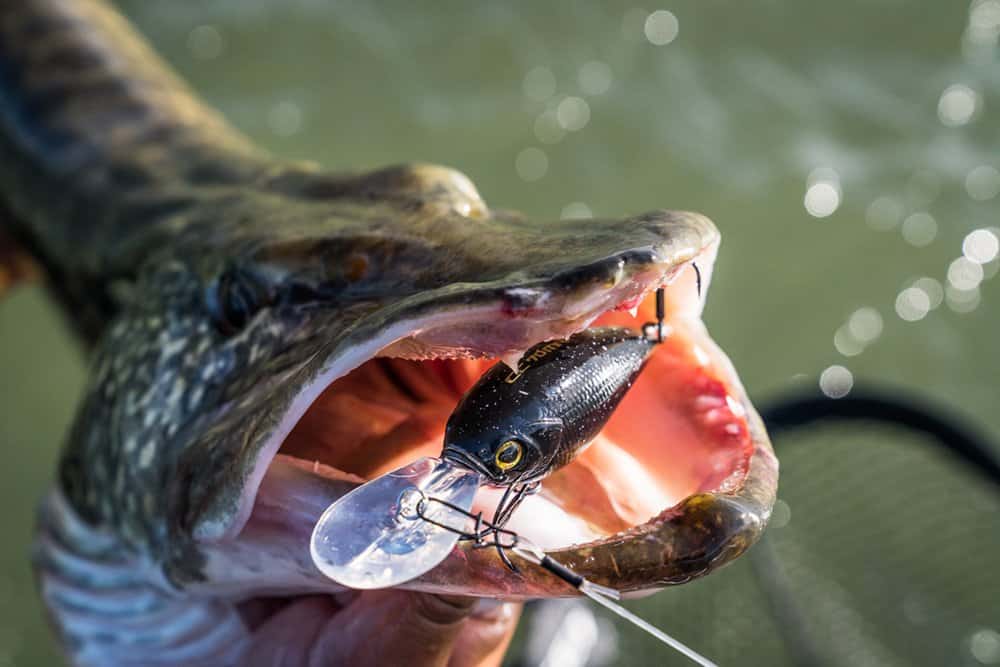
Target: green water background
[730, 118]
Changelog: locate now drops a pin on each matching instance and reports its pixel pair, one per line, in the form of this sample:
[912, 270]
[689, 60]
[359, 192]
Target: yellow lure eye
[508, 455]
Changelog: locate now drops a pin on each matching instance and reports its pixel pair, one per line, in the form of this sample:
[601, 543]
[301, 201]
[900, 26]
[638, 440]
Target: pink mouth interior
[680, 430]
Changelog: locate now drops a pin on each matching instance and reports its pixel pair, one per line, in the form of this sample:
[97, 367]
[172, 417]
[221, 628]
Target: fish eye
[235, 299]
[508, 455]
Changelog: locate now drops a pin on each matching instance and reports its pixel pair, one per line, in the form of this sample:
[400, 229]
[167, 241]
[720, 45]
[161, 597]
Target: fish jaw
[547, 297]
[701, 531]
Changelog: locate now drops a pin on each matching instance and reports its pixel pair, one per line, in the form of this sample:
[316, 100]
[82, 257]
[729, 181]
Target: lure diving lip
[375, 536]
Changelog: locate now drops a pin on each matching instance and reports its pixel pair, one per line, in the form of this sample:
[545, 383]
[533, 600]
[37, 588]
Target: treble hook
[482, 529]
[661, 307]
[661, 310]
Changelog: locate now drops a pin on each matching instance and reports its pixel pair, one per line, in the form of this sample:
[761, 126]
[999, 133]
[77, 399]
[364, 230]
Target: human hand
[389, 627]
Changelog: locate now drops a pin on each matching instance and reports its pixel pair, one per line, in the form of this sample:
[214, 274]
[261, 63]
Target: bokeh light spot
[913, 304]
[836, 382]
[985, 15]
[865, 325]
[285, 118]
[547, 128]
[981, 246]
[984, 645]
[531, 164]
[780, 515]
[661, 27]
[822, 192]
[822, 199]
[983, 182]
[958, 105]
[915, 609]
[205, 42]
[573, 113]
[932, 288]
[846, 344]
[964, 274]
[920, 229]
[962, 301]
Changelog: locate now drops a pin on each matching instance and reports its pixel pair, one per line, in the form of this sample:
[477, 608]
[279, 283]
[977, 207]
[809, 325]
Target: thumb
[392, 628]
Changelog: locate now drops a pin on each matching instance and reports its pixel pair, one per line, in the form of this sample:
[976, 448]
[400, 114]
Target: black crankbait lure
[515, 426]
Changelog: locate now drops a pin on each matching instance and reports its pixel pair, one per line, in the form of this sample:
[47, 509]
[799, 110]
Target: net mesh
[883, 550]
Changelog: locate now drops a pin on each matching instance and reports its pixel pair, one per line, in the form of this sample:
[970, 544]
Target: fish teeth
[634, 311]
[706, 403]
[512, 359]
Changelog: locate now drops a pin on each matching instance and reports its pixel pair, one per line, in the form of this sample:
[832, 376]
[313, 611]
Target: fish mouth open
[680, 481]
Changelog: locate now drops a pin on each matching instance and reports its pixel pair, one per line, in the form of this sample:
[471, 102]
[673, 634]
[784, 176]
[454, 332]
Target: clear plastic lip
[374, 537]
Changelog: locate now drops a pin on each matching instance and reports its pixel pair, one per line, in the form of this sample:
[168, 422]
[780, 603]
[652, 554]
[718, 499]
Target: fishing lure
[517, 425]
[513, 428]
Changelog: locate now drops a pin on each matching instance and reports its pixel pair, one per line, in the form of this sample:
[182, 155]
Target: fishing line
[524, 548]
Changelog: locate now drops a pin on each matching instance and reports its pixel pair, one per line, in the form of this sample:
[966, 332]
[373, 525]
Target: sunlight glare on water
[958, 104]
[846, 343]
[962, 301]
[932, 288]
[920, 229]
[661, 27]
[206, 42]
[913, 304]
[983, 182]
[981, 246]
[964, 274]
[836, 381]
[823, 192]
[980, 37]
[984, 15]
[984, 645]
[547, 127]
[862, 328]
[865, 325]
[573, 113]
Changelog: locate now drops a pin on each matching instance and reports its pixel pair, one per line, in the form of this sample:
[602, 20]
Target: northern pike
[264, 335]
